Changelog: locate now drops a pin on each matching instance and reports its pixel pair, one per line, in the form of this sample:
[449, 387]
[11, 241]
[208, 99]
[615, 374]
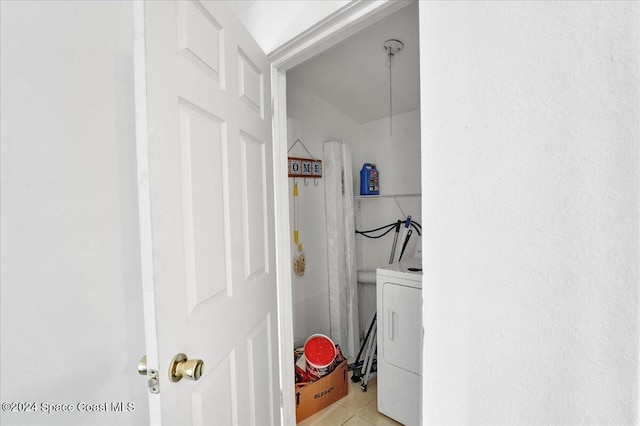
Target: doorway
[311, 107]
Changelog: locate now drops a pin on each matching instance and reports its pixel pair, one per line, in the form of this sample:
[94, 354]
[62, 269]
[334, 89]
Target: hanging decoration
[298, 257]
[304, 167]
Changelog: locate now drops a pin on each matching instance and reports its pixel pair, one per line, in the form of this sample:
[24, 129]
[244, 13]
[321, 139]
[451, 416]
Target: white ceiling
[274, 22]
[353, 77]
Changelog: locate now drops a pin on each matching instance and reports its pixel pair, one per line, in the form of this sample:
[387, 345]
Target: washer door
[402, 326]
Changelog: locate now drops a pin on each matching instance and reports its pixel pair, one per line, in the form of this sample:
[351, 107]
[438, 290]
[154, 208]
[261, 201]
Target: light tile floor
[356, 409]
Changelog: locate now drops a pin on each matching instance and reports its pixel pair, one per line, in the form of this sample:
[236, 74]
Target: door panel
[199, 37]
[220, 387]
[255, 206]
[201, 141]
[208, 126]
[251, 83]
[260, 375]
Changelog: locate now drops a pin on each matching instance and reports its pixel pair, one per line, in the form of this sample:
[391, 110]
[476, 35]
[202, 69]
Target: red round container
[319, 352]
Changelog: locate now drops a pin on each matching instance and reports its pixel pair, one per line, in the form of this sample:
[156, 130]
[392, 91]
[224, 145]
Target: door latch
[153, 381]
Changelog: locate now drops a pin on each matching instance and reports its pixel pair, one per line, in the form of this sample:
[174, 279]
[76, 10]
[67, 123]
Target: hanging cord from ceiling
[391, 46]
[390, 95]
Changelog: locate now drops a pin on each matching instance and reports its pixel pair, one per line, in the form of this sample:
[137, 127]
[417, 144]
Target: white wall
[530, 177]
[314, 122]
[71, 296]
[397, 158]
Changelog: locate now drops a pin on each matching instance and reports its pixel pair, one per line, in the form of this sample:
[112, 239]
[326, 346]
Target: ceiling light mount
[393, 46]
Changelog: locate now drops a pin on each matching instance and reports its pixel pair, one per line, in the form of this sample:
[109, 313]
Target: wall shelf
[394, 197]
[364, 197]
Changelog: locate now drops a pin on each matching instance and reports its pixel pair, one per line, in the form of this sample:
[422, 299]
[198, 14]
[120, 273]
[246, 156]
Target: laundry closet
[361, 99]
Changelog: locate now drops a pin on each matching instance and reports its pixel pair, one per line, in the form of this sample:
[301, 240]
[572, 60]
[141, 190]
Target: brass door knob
[182, 367]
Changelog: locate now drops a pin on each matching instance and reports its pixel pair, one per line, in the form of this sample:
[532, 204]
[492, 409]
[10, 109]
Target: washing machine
[400, 335]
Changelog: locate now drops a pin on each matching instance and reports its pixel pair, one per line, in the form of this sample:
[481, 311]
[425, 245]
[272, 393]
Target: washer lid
[412, 265]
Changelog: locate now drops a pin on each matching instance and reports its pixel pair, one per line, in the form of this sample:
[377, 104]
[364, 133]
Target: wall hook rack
[304, 167]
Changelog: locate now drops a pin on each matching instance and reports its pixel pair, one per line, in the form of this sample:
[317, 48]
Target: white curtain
[343, 286]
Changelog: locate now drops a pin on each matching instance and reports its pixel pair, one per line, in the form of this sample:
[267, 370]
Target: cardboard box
[313, 397]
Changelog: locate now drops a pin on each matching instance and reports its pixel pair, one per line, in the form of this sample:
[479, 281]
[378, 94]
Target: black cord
[377, 229]
[390, 227]
[365, 233]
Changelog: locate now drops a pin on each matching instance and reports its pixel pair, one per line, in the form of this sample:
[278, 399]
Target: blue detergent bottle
[369, 179]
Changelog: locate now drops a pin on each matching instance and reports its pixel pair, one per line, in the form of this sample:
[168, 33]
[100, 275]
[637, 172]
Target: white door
[207, 218]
